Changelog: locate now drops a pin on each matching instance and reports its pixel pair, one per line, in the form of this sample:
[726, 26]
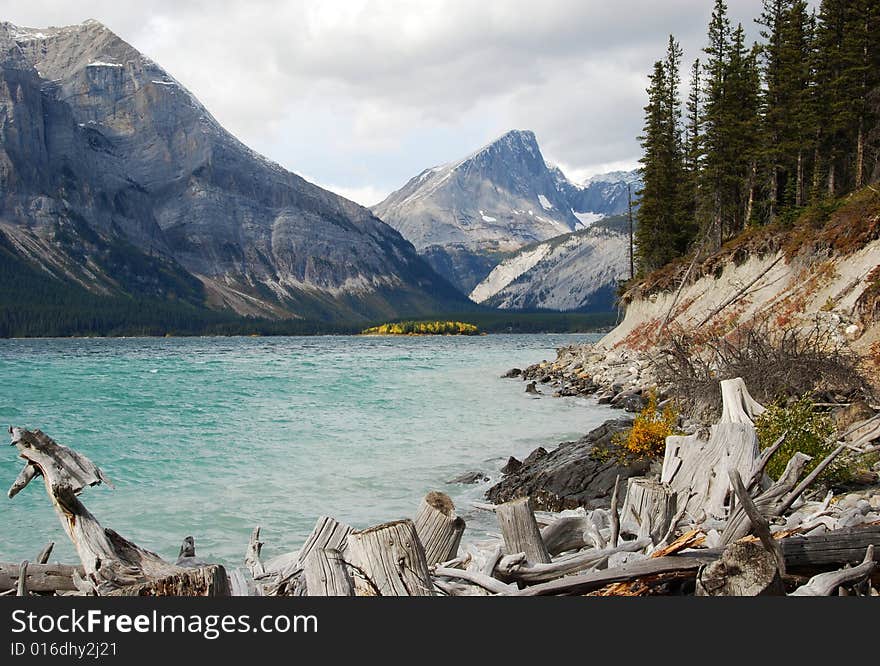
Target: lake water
[212, 436]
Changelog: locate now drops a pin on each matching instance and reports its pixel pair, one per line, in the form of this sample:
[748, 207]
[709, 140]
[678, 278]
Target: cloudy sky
[361, 95]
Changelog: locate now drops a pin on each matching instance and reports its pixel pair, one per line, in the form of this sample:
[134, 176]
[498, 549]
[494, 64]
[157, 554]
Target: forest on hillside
[766, 130]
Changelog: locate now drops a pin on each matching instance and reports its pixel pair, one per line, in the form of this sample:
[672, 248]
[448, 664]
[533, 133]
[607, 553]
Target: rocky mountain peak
[104, 155]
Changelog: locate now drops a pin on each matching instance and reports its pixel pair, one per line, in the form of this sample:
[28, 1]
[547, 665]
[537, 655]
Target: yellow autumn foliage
[423, 328]
[651, 427]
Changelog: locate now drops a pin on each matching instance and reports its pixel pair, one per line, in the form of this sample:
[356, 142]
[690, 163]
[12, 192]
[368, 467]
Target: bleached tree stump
[520, 530]
[326, 574]
[438, 527]
[697, 468]
[389, 560]
[745, 569]
[285, 571]
[650, 506]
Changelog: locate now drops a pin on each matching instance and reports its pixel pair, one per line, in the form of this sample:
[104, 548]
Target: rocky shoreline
[582, 473]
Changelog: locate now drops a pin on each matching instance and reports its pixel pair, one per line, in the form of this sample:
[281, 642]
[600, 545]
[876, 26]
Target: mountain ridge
[466, 216]
[104, 152]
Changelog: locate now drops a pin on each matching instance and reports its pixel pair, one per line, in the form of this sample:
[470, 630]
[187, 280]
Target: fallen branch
[824, 584]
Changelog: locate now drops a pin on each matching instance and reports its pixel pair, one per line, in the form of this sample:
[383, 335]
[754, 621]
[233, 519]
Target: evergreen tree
[656, 234]
[693, 149]
[717, 52]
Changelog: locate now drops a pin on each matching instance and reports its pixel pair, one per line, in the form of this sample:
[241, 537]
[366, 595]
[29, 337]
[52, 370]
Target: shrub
[651, 427]
[806, 430]
[776, 364]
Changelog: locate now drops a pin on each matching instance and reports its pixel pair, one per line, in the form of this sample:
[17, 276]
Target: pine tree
[693, 149]
[660, 237]
[773, 16]
[717, 52]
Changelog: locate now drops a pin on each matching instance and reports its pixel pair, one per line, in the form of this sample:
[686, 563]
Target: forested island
[423, 328]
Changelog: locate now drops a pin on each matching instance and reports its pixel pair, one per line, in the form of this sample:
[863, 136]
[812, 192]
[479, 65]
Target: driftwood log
[438, 527]
[825, 584]
[520, 532]
[110, 562]
[389, 560]
[565, 534]
[524, 571]
[41, 578]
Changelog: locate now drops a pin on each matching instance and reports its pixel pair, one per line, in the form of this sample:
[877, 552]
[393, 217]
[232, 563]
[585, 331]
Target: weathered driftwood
[488, 583]
[746, 569]
[252, 558]
[816, 553]
[21, 589]
[520, 532]
[110, 561]
[41, 578]
[388, 560]
[825, 584]
[438, 527]
[285, 571]
[615, 513]
[588, 582]
[326, 574]
[209, 581]
[43, 557]
[696, 468]
[566, 533]
[526, 572]
[768, 503]
[650, 506]
[791, 498]
[766, 455]
[831, 549]
[760, 524]
[491, 561]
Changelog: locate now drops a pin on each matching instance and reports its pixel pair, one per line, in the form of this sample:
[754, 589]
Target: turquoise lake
[212, 436]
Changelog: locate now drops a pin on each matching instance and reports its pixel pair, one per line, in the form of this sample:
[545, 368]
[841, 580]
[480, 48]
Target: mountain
[115, 179]
[576, 271]
[606, 194]
[465, 216]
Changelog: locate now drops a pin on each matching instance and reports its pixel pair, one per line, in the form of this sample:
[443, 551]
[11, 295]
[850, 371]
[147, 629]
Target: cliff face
[115, 176]
[826, 274]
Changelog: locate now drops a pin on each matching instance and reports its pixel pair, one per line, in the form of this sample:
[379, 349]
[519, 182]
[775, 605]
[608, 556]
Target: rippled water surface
[211, 436]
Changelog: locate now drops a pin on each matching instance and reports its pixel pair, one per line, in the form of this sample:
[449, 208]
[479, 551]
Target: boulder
[579, 473]
[511, 466]
[510, 374]
[469, 478]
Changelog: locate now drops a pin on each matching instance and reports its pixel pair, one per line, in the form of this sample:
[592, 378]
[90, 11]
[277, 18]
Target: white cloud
[366, 93]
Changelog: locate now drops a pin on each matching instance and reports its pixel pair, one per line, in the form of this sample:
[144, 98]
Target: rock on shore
[617, 378]
[579, 473]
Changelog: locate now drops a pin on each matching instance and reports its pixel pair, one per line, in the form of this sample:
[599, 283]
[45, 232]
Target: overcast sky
[361, 95]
